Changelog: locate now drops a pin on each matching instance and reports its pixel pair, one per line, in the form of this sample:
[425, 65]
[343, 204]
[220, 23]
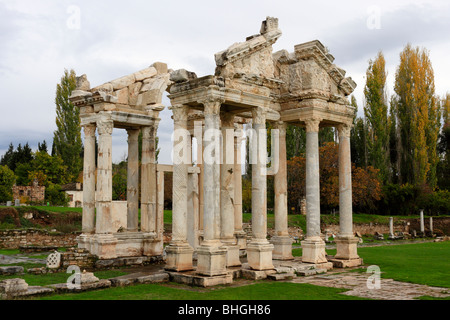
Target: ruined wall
[13, 239]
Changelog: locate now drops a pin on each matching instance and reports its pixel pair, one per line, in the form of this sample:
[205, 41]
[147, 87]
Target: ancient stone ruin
[251, 85]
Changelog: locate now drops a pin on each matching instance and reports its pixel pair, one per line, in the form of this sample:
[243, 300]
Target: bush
[437, 203]
[55, 196]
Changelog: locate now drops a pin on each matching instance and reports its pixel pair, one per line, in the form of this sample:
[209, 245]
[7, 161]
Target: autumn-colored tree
[376, 114]
[366, 184]
[418, 117]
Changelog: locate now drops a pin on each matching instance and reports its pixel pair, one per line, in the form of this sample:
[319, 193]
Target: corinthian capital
[259, 115]
[212, 105]
[180, 112]
[344, 129]
[89, 130]
[312, 124]
[105, 126]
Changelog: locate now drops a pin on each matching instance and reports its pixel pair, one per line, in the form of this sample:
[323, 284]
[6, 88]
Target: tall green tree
[443, 171]
[358, 138]
[376, 114]
[418, 117]
[67, 137]
[7, 179]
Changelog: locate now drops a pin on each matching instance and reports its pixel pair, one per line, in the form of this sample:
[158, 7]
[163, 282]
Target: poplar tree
[376, 114]
[67, 137]
[418, 117]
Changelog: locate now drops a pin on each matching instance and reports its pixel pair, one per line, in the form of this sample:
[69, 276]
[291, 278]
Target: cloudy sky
[109, 39]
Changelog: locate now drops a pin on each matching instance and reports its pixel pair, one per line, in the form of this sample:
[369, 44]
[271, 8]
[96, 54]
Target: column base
[152, 246]
[104, 246]
[179, 257]
[313, 250]
[211, 260]
[233, 255]
[282, 248]
[84, 241]
[241, 239]
[259, 255]
[346, 248]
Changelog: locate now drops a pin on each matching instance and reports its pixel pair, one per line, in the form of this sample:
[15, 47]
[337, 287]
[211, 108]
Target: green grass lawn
[421, 263]
[257, 291]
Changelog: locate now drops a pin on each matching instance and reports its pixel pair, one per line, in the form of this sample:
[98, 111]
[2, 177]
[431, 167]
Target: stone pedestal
[211, 261]
[241, 239]
[282, 248]
[259, 256]
[104, 246]
[346, 248]
[152, 245]
[179, 258]
[233, 255]
[313, 251]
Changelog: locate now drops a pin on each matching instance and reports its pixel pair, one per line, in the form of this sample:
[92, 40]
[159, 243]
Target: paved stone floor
[19, 258]
[388, 289]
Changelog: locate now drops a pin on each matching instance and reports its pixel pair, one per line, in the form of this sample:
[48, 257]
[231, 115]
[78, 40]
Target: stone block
[10, 270]
[281, 276]
[154, 278]
[160, 67]
[211, 261]
[13, 286]
[182, 75]
[179, 258]
[146, 73]
[313, 251]
[123, 82]
[260, 256]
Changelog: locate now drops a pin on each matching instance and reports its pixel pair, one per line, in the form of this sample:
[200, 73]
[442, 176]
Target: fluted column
[240, 234]
[211, 257]
[179, 252]
[88, 220]
[133, 181]
[313, 246]
[104, 177]
[281, 240]
[259, 250]
[346, 242]
[227, 192]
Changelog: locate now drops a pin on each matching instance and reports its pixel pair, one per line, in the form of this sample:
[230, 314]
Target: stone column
[422, 223]
[313, 247]
[104, 240]
[259, 250]
[431, 226]
[391, 227]
[281, 240]
[227, 191]
[179, 252]
[240, 234]
[148, 180]
[211, 257]
[133, 181]
[88, 220]
[346, 242]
